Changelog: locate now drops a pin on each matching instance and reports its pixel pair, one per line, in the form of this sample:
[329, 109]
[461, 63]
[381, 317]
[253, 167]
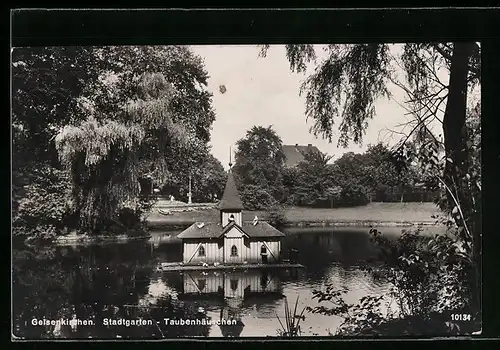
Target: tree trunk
[455, 137]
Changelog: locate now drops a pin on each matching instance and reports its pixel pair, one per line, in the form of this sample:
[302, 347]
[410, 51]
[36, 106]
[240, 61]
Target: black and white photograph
[246, 191]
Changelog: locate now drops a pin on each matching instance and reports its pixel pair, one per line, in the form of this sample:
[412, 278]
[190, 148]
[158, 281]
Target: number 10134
[461, 317]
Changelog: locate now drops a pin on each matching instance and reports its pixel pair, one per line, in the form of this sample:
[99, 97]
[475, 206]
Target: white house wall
[249, 250]
[213, 253]
[272, 248]
[242, 250]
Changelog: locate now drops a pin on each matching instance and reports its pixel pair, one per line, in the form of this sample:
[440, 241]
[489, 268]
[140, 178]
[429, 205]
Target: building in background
[296, 153]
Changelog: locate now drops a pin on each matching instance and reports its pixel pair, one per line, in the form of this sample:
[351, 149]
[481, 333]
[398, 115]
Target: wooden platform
[172, 267]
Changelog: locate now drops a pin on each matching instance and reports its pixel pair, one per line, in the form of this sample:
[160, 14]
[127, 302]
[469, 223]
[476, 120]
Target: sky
[263, 91]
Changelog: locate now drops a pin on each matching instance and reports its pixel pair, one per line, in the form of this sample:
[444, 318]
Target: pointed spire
[231, 198]
[230, 163]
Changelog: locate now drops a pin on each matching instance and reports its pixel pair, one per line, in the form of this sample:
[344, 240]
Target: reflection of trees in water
[319, 248]
[92, 283]
[168, 252]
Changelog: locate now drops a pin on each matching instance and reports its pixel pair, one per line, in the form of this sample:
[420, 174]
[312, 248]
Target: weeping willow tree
[106, 154]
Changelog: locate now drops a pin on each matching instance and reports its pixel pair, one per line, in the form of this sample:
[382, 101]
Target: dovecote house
[231, 241]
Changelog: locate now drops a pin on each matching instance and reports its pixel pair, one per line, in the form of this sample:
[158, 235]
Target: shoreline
[70, 240]
[172, 225]
[179, 217]
[384, 214]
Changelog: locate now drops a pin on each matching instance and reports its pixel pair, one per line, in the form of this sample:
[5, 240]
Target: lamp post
[189, 193]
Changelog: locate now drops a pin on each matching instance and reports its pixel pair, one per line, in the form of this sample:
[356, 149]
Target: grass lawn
[376, 212]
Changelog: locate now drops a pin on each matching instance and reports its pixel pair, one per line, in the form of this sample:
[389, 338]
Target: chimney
[309, 145]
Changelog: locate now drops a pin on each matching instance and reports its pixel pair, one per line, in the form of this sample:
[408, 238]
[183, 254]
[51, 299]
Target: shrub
[354, 194]
[277, 217]
[428, 282]
[131, 215]
[256, 198]
[42, 202]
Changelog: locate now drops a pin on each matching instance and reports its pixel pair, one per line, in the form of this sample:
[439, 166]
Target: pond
[98, 287]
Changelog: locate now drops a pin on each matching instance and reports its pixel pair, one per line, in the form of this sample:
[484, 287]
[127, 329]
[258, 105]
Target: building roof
[231, 198]
[215, 230]
[295, 153]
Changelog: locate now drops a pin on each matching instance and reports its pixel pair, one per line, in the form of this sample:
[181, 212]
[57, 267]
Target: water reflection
[121, 281]
[231, 293]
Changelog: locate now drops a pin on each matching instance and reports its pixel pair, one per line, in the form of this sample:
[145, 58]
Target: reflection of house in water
[233, 289]
[238, 284]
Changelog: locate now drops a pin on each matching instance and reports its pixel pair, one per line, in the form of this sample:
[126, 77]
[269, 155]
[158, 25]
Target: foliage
[259, 161]
[105, 156]
[277, 216]
[44, 206]
[46, 85]
[132, 214]
[354, 195]
[190, 103]
[256, 198]
[291, 328]
[207, 182]
[290, 182]
[346, 85]
[313, 178]
[352, 178]
[427, 278]
[117, 114]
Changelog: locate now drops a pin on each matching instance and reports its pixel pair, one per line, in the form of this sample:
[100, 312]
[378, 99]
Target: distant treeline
[377, 175]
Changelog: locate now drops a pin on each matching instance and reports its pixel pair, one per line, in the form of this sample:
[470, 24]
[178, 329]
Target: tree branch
[448, 57]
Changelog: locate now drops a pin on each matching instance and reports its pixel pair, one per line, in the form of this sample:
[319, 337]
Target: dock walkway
[174, 267]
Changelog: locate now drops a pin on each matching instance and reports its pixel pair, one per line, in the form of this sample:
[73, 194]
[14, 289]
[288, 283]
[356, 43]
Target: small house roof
[231, 198]
[215, 230]
[294, 154]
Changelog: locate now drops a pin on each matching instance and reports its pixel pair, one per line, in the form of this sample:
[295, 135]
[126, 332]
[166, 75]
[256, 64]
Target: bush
[256, 198]
[132, 214]
[42, 202]
[353, 195]
[277, 217]
[428, 282]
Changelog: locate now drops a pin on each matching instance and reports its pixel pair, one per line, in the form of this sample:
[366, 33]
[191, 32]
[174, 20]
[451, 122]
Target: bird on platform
[255, 220]
[205, 265]
[200, 224]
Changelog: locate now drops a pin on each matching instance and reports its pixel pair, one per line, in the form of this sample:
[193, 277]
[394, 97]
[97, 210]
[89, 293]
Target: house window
[234, 284]
[201, 284]
[263, 249]
[234, 251]
[201, 251]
